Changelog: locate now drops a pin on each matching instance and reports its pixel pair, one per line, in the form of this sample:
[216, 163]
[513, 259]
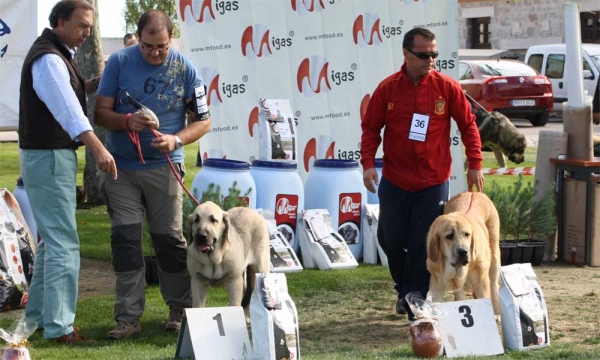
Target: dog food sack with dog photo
[327, 248]
[371, 244]
[277, 130]
[283, 257]
[17, 249]
[523, 309]
[274, 319]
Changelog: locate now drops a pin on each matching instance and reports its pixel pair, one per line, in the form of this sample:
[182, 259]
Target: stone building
[518, 24]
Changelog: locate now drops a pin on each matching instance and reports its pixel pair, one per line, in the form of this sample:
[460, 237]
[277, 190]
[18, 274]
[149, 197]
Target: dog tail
[250, 283]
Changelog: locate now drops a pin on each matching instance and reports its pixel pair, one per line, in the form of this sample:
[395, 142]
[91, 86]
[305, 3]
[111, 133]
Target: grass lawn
[343, 314]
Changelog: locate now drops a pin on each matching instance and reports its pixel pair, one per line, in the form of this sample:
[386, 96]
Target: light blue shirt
[52, 84]
[162, 88]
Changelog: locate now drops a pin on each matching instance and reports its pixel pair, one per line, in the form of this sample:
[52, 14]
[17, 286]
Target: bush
[520, 216]
[213, 193]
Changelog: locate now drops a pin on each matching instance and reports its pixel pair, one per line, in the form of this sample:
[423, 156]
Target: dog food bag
[17, 249]
[277, 130]
[371, 244]
[304, 241]
[327, 247]
[274, 319]
[283, 257]
[522, 309]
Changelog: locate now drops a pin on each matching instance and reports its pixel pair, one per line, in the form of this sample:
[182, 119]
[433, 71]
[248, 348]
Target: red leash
[471, 202]
[135, 139]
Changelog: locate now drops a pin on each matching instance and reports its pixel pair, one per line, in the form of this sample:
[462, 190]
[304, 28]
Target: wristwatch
[178, 143]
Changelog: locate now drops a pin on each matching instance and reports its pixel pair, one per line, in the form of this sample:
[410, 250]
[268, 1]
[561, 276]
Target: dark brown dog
[499, 134]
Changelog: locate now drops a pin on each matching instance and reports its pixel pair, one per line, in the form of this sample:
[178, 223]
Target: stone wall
[518, 25]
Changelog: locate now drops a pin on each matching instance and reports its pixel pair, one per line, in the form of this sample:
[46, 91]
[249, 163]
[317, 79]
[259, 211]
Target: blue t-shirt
[162, 88]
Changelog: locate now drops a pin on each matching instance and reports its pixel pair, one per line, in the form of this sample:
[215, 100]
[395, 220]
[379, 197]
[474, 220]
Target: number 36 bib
[418, 127]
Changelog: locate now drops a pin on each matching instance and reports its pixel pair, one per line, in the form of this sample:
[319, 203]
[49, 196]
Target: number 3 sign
[469, 328]
[214, 333]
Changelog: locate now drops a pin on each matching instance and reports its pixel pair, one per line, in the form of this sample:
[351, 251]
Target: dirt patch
[96, 278]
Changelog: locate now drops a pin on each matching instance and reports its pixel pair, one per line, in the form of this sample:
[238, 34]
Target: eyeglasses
[159, 48]
[424, 55]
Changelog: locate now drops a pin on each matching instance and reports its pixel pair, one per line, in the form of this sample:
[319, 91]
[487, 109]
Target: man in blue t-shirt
[167, 83]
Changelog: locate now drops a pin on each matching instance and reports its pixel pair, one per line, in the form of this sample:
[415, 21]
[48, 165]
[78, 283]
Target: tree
[90, 59]
[135, 8]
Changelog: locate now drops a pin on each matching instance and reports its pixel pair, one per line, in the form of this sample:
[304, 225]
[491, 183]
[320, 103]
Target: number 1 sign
[214, 333]
[469, 328]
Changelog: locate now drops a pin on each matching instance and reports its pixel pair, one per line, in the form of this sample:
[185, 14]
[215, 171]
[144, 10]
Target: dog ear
[189, 235]
[226, 226]
[433, 241]
[475, 234]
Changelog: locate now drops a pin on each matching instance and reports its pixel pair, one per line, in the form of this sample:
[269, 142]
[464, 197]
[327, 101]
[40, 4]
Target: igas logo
[204, 12]
[304, 7]
[256, 42]
[253, 121]
[367, 30]
[313, 76]
[283, 207]
[310, 150]
[347, 206]
[212, 78]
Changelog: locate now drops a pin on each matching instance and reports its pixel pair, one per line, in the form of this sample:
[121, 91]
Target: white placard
[469, 328]
[214, 333]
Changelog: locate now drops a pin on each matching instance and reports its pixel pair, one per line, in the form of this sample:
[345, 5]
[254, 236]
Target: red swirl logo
[347, 206]
[283, 206]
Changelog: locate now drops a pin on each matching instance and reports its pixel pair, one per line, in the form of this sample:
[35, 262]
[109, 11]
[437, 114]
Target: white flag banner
[18, 30]
[326, 56]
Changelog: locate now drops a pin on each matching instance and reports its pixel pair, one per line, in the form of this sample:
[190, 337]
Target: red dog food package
[283, 257]
[17, 249]
[523, 309]
[277, 130]
[372, 250]
[325, 248]
[274, 319]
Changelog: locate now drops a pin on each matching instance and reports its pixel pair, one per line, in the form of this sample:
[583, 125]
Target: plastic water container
[372, 198]
[23, 200]
[224, 173]
[337, 185]
[279, 189]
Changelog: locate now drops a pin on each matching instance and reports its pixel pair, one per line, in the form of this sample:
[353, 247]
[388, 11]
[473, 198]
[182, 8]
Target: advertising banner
[18, 30]
[325, 56]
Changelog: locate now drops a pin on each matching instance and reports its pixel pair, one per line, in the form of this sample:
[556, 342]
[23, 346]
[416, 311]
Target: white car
[550, 60]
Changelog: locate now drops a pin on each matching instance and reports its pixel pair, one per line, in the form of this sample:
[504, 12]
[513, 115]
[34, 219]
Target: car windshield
[505, 68]
[596, 59]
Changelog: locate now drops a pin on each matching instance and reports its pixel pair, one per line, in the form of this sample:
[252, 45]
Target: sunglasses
[424, 55]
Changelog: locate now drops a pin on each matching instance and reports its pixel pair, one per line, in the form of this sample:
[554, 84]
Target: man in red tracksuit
[414, 106]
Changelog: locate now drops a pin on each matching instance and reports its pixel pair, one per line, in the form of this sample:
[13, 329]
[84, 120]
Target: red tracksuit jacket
[409, 164]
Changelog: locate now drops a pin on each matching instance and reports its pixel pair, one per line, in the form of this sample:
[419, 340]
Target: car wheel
[540, 119]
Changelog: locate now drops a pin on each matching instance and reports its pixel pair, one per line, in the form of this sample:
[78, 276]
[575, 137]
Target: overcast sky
[112, 23]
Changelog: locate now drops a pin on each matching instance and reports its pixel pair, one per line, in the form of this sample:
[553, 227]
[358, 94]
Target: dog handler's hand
[370, 176]
[475, 177]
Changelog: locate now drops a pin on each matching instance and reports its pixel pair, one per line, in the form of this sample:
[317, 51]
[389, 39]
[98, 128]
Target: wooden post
[550, 145]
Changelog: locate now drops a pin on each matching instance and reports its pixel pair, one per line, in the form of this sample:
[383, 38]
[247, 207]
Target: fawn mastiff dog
[463, 249]
[226, 249]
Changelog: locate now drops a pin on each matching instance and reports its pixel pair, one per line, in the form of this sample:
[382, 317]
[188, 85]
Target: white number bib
[418, 127]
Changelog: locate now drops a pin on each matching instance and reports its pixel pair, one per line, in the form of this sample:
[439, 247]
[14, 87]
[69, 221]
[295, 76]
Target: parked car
[508, 86]
[550, 60]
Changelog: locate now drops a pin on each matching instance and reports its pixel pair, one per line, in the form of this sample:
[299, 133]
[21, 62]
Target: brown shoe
[73, 338]
[125, 330]
[175, 317]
